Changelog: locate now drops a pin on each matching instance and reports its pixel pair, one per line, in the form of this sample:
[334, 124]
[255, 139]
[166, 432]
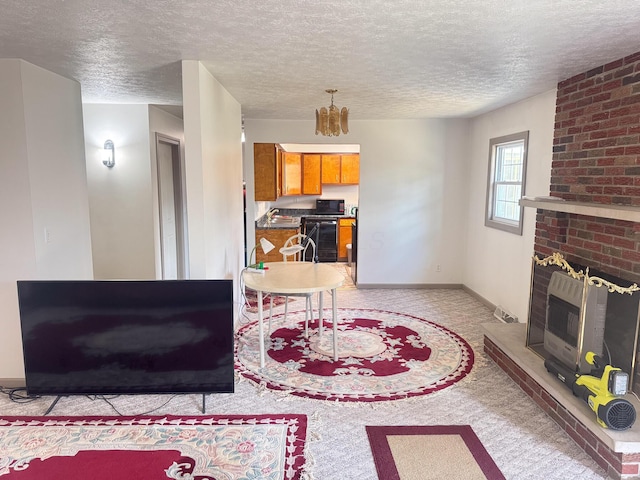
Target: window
[506, 181]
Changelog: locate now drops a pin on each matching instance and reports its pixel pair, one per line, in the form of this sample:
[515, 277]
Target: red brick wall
[597, 135]
[617, 465]
[596, 159]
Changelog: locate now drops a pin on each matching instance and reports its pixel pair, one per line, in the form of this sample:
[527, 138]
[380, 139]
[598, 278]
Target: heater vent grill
[501, 314]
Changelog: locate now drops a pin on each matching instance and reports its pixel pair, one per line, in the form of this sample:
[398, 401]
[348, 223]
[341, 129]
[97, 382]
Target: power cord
[245, 301]
[107, 400]
[16, 395]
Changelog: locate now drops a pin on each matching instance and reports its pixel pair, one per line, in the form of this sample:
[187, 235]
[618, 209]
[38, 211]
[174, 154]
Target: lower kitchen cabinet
[277, 236]
[344, 237]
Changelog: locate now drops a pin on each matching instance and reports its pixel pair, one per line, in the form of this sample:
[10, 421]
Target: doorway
[170, 208]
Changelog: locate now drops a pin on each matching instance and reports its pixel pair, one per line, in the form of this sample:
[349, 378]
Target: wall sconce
[109, 154]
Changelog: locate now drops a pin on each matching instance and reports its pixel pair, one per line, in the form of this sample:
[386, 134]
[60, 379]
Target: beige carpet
[523, 441]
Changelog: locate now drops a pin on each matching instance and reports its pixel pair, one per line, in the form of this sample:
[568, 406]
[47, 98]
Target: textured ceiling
[388, 59]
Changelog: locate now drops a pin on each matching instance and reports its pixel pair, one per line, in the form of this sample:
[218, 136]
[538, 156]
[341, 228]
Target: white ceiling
[389, 59]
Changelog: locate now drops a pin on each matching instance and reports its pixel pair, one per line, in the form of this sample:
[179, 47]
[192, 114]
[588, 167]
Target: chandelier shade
[331, 121]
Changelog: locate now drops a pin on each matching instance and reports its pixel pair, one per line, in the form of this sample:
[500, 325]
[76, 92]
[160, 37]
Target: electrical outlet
[438, 268]
[47, 235]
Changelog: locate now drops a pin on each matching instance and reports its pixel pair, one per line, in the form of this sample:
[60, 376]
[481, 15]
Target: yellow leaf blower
[601, 390]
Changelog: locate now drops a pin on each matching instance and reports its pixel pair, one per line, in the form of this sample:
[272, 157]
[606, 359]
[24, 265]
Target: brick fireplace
[595, 224]
[596, 160]
[596, 163]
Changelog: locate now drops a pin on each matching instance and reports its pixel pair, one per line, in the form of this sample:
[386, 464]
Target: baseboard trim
[408, 286]
[13, 382]
[480, 298]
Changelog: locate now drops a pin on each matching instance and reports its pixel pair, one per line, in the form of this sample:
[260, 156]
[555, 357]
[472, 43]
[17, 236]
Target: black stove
[325, 222]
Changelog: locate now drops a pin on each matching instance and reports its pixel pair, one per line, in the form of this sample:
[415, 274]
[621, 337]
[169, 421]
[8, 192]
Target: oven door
[326, 239]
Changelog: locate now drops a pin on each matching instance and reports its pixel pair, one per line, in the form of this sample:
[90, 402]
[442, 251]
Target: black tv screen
[127, 337]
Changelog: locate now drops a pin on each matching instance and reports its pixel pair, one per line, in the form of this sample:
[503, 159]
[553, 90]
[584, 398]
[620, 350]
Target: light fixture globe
[109, 154]
[331, 121]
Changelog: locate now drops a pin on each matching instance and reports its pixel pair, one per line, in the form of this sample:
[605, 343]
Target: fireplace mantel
[616, 212]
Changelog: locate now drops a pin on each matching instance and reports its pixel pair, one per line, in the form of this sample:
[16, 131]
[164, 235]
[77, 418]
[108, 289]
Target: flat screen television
[127, 337]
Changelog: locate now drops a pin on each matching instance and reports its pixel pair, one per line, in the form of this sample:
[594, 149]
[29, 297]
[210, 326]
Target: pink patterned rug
[209, 447]
[252, 301]
[382, 356]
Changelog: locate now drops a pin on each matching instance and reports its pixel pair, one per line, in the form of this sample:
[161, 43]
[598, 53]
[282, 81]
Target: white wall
[121, 197]
[213, 162]
[498, 264]
[43, 186]
[412, 195]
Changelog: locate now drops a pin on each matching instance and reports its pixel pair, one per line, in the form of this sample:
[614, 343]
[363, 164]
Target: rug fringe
[313, 422]
[468, 341]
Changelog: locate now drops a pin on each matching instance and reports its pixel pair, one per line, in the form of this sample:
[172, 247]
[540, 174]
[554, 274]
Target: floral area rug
[168, 447]
[382, 356]
[251, 297]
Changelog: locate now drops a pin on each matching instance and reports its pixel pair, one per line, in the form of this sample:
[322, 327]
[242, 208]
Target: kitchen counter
[296, 214]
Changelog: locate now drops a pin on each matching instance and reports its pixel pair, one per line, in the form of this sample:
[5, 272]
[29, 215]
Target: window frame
[490, 217]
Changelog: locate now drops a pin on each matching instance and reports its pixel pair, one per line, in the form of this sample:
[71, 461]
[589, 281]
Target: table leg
[334, 305]
[320, 316]
[260, 328]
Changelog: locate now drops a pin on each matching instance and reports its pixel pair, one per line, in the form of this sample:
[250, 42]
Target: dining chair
[295, 249]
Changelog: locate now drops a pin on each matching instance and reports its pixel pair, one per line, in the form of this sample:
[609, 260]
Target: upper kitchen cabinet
[291, 173]
[278, 173]
[267, 175]
[350, 169]
[330, 169]
[341, 169]
[311, 167]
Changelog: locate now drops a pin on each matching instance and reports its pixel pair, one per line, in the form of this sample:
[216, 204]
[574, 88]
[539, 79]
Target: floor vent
[504, 316]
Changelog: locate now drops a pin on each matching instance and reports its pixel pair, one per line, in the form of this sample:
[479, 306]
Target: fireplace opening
[621, 325]
[575, 321]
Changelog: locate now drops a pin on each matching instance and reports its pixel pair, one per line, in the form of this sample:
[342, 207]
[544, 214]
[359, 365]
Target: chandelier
[330, 121]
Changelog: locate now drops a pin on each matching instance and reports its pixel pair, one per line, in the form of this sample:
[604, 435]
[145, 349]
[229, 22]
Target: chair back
[300, 256]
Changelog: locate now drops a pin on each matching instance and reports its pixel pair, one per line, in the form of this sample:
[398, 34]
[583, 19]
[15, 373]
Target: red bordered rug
[431, 452]
[382, 356]
[209, 447]
[251, 297]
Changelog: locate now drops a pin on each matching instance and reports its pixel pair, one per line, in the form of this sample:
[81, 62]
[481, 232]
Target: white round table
[296, 277]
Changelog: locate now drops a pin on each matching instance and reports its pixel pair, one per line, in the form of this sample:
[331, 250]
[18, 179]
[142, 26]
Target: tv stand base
[53, 405]
[203, 409]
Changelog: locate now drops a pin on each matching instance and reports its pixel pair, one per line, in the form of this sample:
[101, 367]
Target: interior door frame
[179, 203]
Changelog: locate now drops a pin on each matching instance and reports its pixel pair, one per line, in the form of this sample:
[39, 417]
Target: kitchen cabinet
[341, 169]
[350, 169]
[278, 173]
[267, 177]
[291, 173]
[277, 236]
[330, 169]
[344, 237]
[311, 167]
